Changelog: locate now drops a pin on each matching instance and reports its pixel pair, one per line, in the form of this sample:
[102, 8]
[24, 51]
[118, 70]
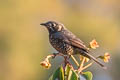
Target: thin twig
[76, 62]
[87, 66]
[81, 65]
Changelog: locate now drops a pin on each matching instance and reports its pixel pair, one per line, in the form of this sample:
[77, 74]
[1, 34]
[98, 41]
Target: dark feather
[76, 42]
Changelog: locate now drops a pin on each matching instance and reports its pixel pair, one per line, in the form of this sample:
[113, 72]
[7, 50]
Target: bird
[67, 43]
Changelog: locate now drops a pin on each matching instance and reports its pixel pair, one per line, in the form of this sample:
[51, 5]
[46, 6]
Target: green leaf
[67, 69]
[88, 75]
[58, 75]
[72, 75]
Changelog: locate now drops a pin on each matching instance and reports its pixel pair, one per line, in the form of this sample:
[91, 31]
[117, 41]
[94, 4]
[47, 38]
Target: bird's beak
[43, 24]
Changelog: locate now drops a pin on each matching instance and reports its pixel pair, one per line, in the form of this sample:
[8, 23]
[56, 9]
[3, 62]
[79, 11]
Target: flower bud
[93, 44]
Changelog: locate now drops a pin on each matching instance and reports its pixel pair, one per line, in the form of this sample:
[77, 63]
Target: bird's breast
[59, 44]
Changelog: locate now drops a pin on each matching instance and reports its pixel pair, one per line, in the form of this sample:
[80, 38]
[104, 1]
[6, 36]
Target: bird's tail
[98, 62]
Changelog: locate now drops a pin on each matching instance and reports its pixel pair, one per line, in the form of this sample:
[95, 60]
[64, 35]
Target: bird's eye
[50, 24]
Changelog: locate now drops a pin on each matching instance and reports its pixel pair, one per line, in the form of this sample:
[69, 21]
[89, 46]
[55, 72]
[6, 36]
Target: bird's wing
[76, 42]
[72, 40]
[70, 35]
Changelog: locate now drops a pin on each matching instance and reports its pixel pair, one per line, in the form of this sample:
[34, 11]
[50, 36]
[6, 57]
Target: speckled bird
[66, 42]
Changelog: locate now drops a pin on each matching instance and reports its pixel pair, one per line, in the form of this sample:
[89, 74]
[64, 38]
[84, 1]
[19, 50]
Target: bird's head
[53, 26]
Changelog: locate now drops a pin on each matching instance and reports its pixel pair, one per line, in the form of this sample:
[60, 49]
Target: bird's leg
[69, 56]
[66, 62]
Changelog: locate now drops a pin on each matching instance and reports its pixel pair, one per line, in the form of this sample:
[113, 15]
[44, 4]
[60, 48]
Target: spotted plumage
[66, 42]
[60, 44]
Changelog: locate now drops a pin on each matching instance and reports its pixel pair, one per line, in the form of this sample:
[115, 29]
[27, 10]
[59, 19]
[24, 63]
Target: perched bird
[66, 42]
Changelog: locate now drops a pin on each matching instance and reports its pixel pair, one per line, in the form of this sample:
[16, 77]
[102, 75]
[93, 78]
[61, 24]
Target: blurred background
[24, 43]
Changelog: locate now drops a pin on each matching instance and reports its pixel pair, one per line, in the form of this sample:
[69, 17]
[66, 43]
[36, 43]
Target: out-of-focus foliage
[60, 74]
[24, 43]
[70, 74]
[88, 75]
